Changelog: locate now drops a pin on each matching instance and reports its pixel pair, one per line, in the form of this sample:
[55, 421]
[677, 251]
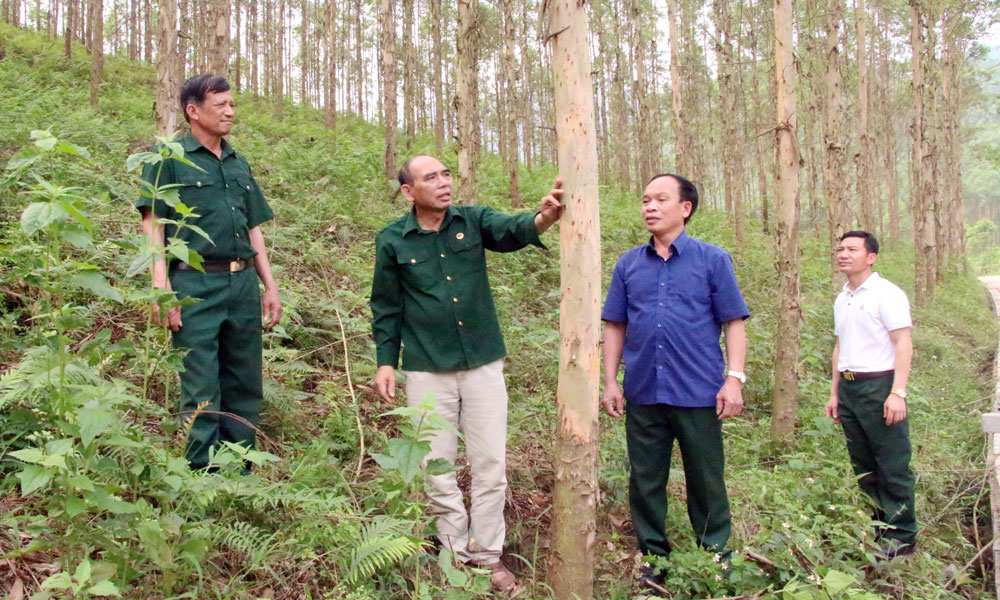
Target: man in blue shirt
[668, 303]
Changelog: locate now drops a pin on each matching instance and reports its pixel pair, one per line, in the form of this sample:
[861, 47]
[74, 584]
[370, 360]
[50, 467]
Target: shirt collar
[678, 247]
[412, 225]
[191, 144]
[869, 282]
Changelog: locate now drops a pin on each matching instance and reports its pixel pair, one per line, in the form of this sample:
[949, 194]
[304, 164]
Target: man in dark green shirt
[431, 300]
[222, 370]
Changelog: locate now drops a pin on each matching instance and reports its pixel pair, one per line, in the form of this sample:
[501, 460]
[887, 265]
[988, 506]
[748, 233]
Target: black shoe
[651, 580]
[895, 548]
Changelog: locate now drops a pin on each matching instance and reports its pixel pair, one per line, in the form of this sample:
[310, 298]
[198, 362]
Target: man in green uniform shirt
[431, 297]
[222, 370]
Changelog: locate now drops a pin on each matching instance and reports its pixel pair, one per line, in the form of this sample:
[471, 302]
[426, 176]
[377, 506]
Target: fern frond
[381, 545]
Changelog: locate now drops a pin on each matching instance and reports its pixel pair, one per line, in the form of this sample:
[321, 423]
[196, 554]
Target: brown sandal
[501, 578]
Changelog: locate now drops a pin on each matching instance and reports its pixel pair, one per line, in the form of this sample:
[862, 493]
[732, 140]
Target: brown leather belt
[856, 376]
[216, 266]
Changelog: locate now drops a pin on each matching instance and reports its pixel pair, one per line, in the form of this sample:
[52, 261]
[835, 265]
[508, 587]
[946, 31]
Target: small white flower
[810, 542]
[717, 557]
[718, 577]
[833, 507]
[810, 480]
[785, 525]
[803, 517]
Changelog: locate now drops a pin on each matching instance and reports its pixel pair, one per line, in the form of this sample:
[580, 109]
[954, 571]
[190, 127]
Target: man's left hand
[552, 207]
[894, 409]
[271, 307]
[729, 400]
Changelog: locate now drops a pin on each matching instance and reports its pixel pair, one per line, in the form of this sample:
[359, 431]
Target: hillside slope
[91, 472]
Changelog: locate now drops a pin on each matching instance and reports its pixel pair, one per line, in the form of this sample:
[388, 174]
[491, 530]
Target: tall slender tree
[389, 119]
[467, 99]
[576, 490]
[786, 377]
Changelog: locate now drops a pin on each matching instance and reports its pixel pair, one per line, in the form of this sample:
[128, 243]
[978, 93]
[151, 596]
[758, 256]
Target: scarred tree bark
[388, 64]
[783, 400]
[467, 100]
[834, 140]
[166, 57]
[576, 490]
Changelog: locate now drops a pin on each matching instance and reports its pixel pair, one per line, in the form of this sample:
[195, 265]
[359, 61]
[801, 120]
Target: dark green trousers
[223, 365]
[650, 432]
[880, 454]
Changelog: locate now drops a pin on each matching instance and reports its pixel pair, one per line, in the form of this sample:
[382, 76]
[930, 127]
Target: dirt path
[992, 283]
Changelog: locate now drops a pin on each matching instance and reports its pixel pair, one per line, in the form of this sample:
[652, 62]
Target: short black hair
[405, 177]
[689, 192]
[871, 244]
[198, 87]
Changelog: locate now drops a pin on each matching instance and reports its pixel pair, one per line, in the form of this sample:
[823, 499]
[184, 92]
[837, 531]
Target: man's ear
[406, 191]
[872, 257]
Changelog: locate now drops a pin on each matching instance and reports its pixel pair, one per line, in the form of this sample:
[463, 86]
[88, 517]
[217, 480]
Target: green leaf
[199, 231]
[180, 250]
[93, 422]
[22, 159]
[40, 215]
[72, 149]
[141, 263]
[439, 466]
[29, 455]
[142, 158]
[456, 577]
[59, 581]
[33, 477]
[76, 214]
[82, 574]
[78, 237]
[74, 506]
[44, 139]
[104, 588]
[96, 283]
[837, 581]
[407, 455]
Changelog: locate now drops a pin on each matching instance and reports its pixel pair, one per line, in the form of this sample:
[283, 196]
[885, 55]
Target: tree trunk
[466, 100]
[863, 158]
[508, 122]
[783, 401]
[918, 202]
[218, 53]
[166, 56]
[438, 81]
[729, 116]
[575, 494]
[834, 138]
[96, 49]
[388, 41]
[409, 73]
[70, 22]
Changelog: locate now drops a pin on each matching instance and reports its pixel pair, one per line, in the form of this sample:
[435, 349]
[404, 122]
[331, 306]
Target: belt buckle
[235, 265]
[848, 375]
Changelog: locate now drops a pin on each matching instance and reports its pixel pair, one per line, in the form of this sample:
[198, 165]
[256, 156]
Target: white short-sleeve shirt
[863, 319]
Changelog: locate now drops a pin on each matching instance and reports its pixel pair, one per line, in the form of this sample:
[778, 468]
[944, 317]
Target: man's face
[853, 257]
[431, 187]
[215, 115]
[663, 211]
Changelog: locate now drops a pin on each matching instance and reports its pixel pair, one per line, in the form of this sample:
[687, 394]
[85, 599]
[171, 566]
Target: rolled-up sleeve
[727, 300]
[616, 304]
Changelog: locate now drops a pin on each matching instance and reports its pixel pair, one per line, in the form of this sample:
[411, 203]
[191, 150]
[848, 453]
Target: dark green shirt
[225, 197]
[431, 292]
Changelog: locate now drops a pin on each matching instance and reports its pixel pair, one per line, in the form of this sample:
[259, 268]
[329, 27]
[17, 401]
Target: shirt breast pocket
[467, 249]
[691, 298]
[415, 267]
[199, 193]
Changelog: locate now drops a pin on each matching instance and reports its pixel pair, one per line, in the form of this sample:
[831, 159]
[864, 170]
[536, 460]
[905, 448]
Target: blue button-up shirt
[674, 310]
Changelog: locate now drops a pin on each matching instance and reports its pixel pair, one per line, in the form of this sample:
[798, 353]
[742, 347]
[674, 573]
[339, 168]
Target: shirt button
[233, 207]
[448, 277]
[662, 284]
[198, 184]
[659, 325]
[661, 304]
[442, 256]
[227, 186]
[659, 366]
[659, 346]
[454, 299]
[413, 260]
[459, 323]
[238, 235]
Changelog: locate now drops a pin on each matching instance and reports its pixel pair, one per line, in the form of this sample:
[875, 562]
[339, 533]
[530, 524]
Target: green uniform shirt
[225, 196]
[431, 292]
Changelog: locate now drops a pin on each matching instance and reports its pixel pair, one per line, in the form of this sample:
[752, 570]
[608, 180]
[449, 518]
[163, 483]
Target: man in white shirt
[871, 363]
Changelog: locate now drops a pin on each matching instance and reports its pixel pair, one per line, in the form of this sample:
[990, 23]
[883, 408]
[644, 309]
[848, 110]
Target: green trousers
[224, 362]
[880, 454]
[650, 431]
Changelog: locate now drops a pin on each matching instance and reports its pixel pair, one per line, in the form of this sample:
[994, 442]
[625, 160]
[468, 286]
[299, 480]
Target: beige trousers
[475, 402]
